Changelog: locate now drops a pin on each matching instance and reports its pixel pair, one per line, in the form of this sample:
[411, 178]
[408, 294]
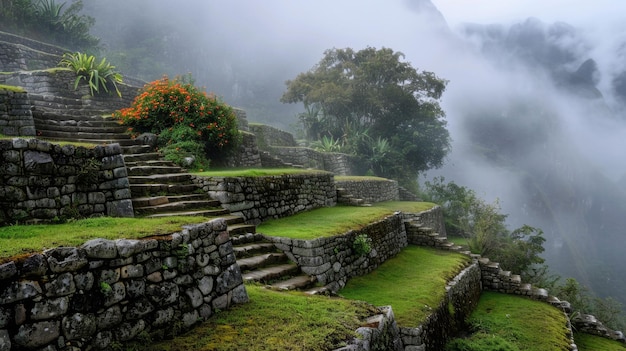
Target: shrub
[362, 245]
[178, 112]
[97, 74]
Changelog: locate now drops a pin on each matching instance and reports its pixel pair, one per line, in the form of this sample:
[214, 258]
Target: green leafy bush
[362, 245]
[97, 74]
[183, 117]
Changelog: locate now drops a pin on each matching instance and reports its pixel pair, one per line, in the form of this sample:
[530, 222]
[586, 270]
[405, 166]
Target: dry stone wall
[260, 198]
[105, 292]
[16, 118]
[247, 155]
[44, 181]
[334, 260]
[371, 190]
[270, 136]
[19, 53]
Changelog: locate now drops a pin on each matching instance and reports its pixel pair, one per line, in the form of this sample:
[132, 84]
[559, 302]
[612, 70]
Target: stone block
[38, 334]
[18, 291]
[50, 308]
[79, 326]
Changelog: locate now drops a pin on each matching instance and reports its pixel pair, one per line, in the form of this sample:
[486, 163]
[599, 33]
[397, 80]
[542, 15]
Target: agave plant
[97, 74]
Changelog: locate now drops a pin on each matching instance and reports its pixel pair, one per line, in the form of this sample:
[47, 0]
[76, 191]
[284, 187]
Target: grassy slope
[418, 276]
[587, 342]
[508, 322]
[274, 321]
[329, 221]
[22, 239]
[255, 172]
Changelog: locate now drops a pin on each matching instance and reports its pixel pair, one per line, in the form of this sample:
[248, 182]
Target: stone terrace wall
[432, 219]
[19, 53]
[16, 118]
[270, 136]
[370, 189]
[260, 198]
[50, 90]
[41, 181]
[247, 155]
[106, 292]
[334, 162]
[333, 260]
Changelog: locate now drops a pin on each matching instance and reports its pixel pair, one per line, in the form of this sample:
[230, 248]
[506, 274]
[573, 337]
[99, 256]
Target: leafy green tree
[484, 225]
[374, 92]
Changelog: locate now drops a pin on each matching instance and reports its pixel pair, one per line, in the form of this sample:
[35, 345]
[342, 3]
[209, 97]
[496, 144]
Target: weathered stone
[240, 295]
[163, 294]
[5, 317]
[221, 302]
[127, 248]
[84, 281]
[139, 308]
[79, 326]
[7, 270]
[229, 279]
[115, 295]
[195, 297]
[37, 334]
[163, 317]
[206, 285]
[5, 340]
[135, 288]
[34, 266]
[50, 308]
[62, 285]
[130, 330]
[131, 271]
[110, 317]
[17, 291]
[65, 259]
[100, 248]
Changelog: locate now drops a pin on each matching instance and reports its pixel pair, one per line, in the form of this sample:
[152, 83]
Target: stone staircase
[261, 262]
[346, 198]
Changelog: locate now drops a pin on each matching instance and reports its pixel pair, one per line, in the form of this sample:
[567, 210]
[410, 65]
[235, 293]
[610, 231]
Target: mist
[535, 102]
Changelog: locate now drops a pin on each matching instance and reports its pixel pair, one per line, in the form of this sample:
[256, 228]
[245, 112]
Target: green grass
[504, 322]
[588, 342]
[22, 239]
[274, 321]
[255, 172]
[12, 88]
[459, 241]
[413, 283]
[359, 178]
[331, 221]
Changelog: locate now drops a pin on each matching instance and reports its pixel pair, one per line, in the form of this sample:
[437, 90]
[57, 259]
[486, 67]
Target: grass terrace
[23, 239]
[331, 221]
[255, 172]
[418, 276]
[280, 321]
[509, 322]
[588, 342]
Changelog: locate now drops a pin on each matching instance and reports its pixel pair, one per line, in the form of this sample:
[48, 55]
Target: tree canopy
[378, 107]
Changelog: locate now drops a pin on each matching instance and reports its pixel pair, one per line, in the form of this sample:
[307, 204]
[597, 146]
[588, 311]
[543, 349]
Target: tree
[373, 92]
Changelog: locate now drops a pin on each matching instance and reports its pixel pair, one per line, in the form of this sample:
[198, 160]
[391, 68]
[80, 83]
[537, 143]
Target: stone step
[69, 114]
[141, 157]
[298, 282]
[234, 219]
[137, 149]
[167, 178]
[85, 135]
[204, 213]
[271, 273]
[149, 170]
[262, 260]
[318, 290]
[145, 190]
[123, 143]
[150, 163]
[241, 228]
[251, 249]
[81, 126]
[164, 199]
[176, 207]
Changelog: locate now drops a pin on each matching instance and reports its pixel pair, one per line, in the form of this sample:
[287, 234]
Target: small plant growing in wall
[105, 288]
[362, 245]
[97, 74]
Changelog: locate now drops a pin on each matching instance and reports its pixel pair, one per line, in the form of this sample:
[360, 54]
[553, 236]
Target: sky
[503, 11]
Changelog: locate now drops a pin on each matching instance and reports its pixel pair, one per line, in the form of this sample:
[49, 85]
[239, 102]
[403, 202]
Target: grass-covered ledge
[255, 172]
[418, 276]
[23, 239]
[12, 88]
[330, 221]
[509, 322]
[588, 342]
[274, 321]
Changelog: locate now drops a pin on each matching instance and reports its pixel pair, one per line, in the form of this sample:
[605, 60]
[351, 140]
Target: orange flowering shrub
[177, 111]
